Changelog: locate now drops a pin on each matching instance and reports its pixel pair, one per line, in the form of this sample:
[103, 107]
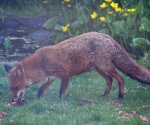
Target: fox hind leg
[109, 72]
[114, 74]
[108, 81]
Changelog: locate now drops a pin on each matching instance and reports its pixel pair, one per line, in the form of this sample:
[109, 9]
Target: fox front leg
[47, 82]
[63, 87]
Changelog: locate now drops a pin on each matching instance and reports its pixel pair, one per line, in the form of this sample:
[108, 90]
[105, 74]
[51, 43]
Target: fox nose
[14, 99]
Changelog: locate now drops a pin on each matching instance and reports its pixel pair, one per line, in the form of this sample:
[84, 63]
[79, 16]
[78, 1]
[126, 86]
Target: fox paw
[39, 94]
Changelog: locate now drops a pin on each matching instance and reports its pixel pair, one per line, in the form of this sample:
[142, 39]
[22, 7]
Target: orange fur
[74, 56]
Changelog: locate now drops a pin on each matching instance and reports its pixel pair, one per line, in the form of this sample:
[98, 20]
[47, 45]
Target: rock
[2, 39]
[41, 35]
[9, 22]
[11, 63]
[15, 21]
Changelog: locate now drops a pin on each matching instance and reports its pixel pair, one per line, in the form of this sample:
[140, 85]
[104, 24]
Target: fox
[74, 56]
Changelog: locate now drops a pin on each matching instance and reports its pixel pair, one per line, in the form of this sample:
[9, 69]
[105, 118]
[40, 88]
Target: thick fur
[74, 56]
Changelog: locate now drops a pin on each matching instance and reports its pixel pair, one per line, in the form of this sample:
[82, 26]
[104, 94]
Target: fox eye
[15, 88]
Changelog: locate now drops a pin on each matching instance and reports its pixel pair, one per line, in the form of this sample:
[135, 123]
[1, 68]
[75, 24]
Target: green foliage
[123, 20]
[50, 23]
[7, 44]
[82, 15]
[58, 27]
[3, 81]
[120, 26]
[145, 61]
[105, 31]
[137, 42]
[145, 24]
[141, 43]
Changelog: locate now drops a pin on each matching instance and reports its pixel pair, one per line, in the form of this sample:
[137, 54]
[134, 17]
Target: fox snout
[19, 97]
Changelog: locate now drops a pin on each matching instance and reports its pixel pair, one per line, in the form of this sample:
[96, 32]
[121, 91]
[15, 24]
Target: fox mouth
[20, 99]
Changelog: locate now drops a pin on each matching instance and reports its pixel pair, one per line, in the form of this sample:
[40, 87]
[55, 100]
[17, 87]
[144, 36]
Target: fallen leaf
[54, 103]
[143, 106]
[87, 100]
[143, 118]
[51, 106]
[133, 114]
[7, 105]
[116, 103]
[4, 113]
[92, 104]
[124, 113]
[65, 102]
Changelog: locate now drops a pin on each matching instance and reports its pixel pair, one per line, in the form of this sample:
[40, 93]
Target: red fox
[74, 56]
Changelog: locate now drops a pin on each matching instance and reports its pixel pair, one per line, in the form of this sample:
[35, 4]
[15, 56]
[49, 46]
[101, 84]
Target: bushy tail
[127, 65]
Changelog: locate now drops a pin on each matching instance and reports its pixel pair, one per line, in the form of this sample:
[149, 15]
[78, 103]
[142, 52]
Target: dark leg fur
[121, 92]
[108, 73]
[43, 88]
[64, 85]
[120, 82]
[108, 81]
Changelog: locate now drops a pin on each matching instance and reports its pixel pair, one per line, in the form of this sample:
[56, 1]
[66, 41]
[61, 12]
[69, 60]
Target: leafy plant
[8, 45]
[140, 42]
[3, 79]
[50, 23]
[123, 20]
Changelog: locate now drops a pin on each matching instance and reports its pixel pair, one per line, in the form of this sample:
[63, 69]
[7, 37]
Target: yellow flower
[114, 5]
[108, 1]
[66, 0]
[103, 5]
[118, 9]
[142, 27]
[125, 14]
[122, 10]
[65, 28]
[102, 18]
[133, 10]
[93, 15]
[69, 5]
[128, 10]
[45, 1]
[110, 12]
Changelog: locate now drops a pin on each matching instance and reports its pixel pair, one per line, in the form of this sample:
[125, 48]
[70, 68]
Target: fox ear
[19, 69]
[7, 67]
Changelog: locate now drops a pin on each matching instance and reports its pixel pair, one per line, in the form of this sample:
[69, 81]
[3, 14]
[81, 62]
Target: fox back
[87, 52]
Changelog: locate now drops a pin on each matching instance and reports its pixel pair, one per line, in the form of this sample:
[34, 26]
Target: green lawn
[82, 104]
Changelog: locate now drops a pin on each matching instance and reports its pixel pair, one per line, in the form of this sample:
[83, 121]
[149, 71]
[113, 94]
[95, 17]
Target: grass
[73, 110]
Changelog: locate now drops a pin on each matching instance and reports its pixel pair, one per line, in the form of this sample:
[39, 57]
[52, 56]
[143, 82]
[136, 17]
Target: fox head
[18, 82]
